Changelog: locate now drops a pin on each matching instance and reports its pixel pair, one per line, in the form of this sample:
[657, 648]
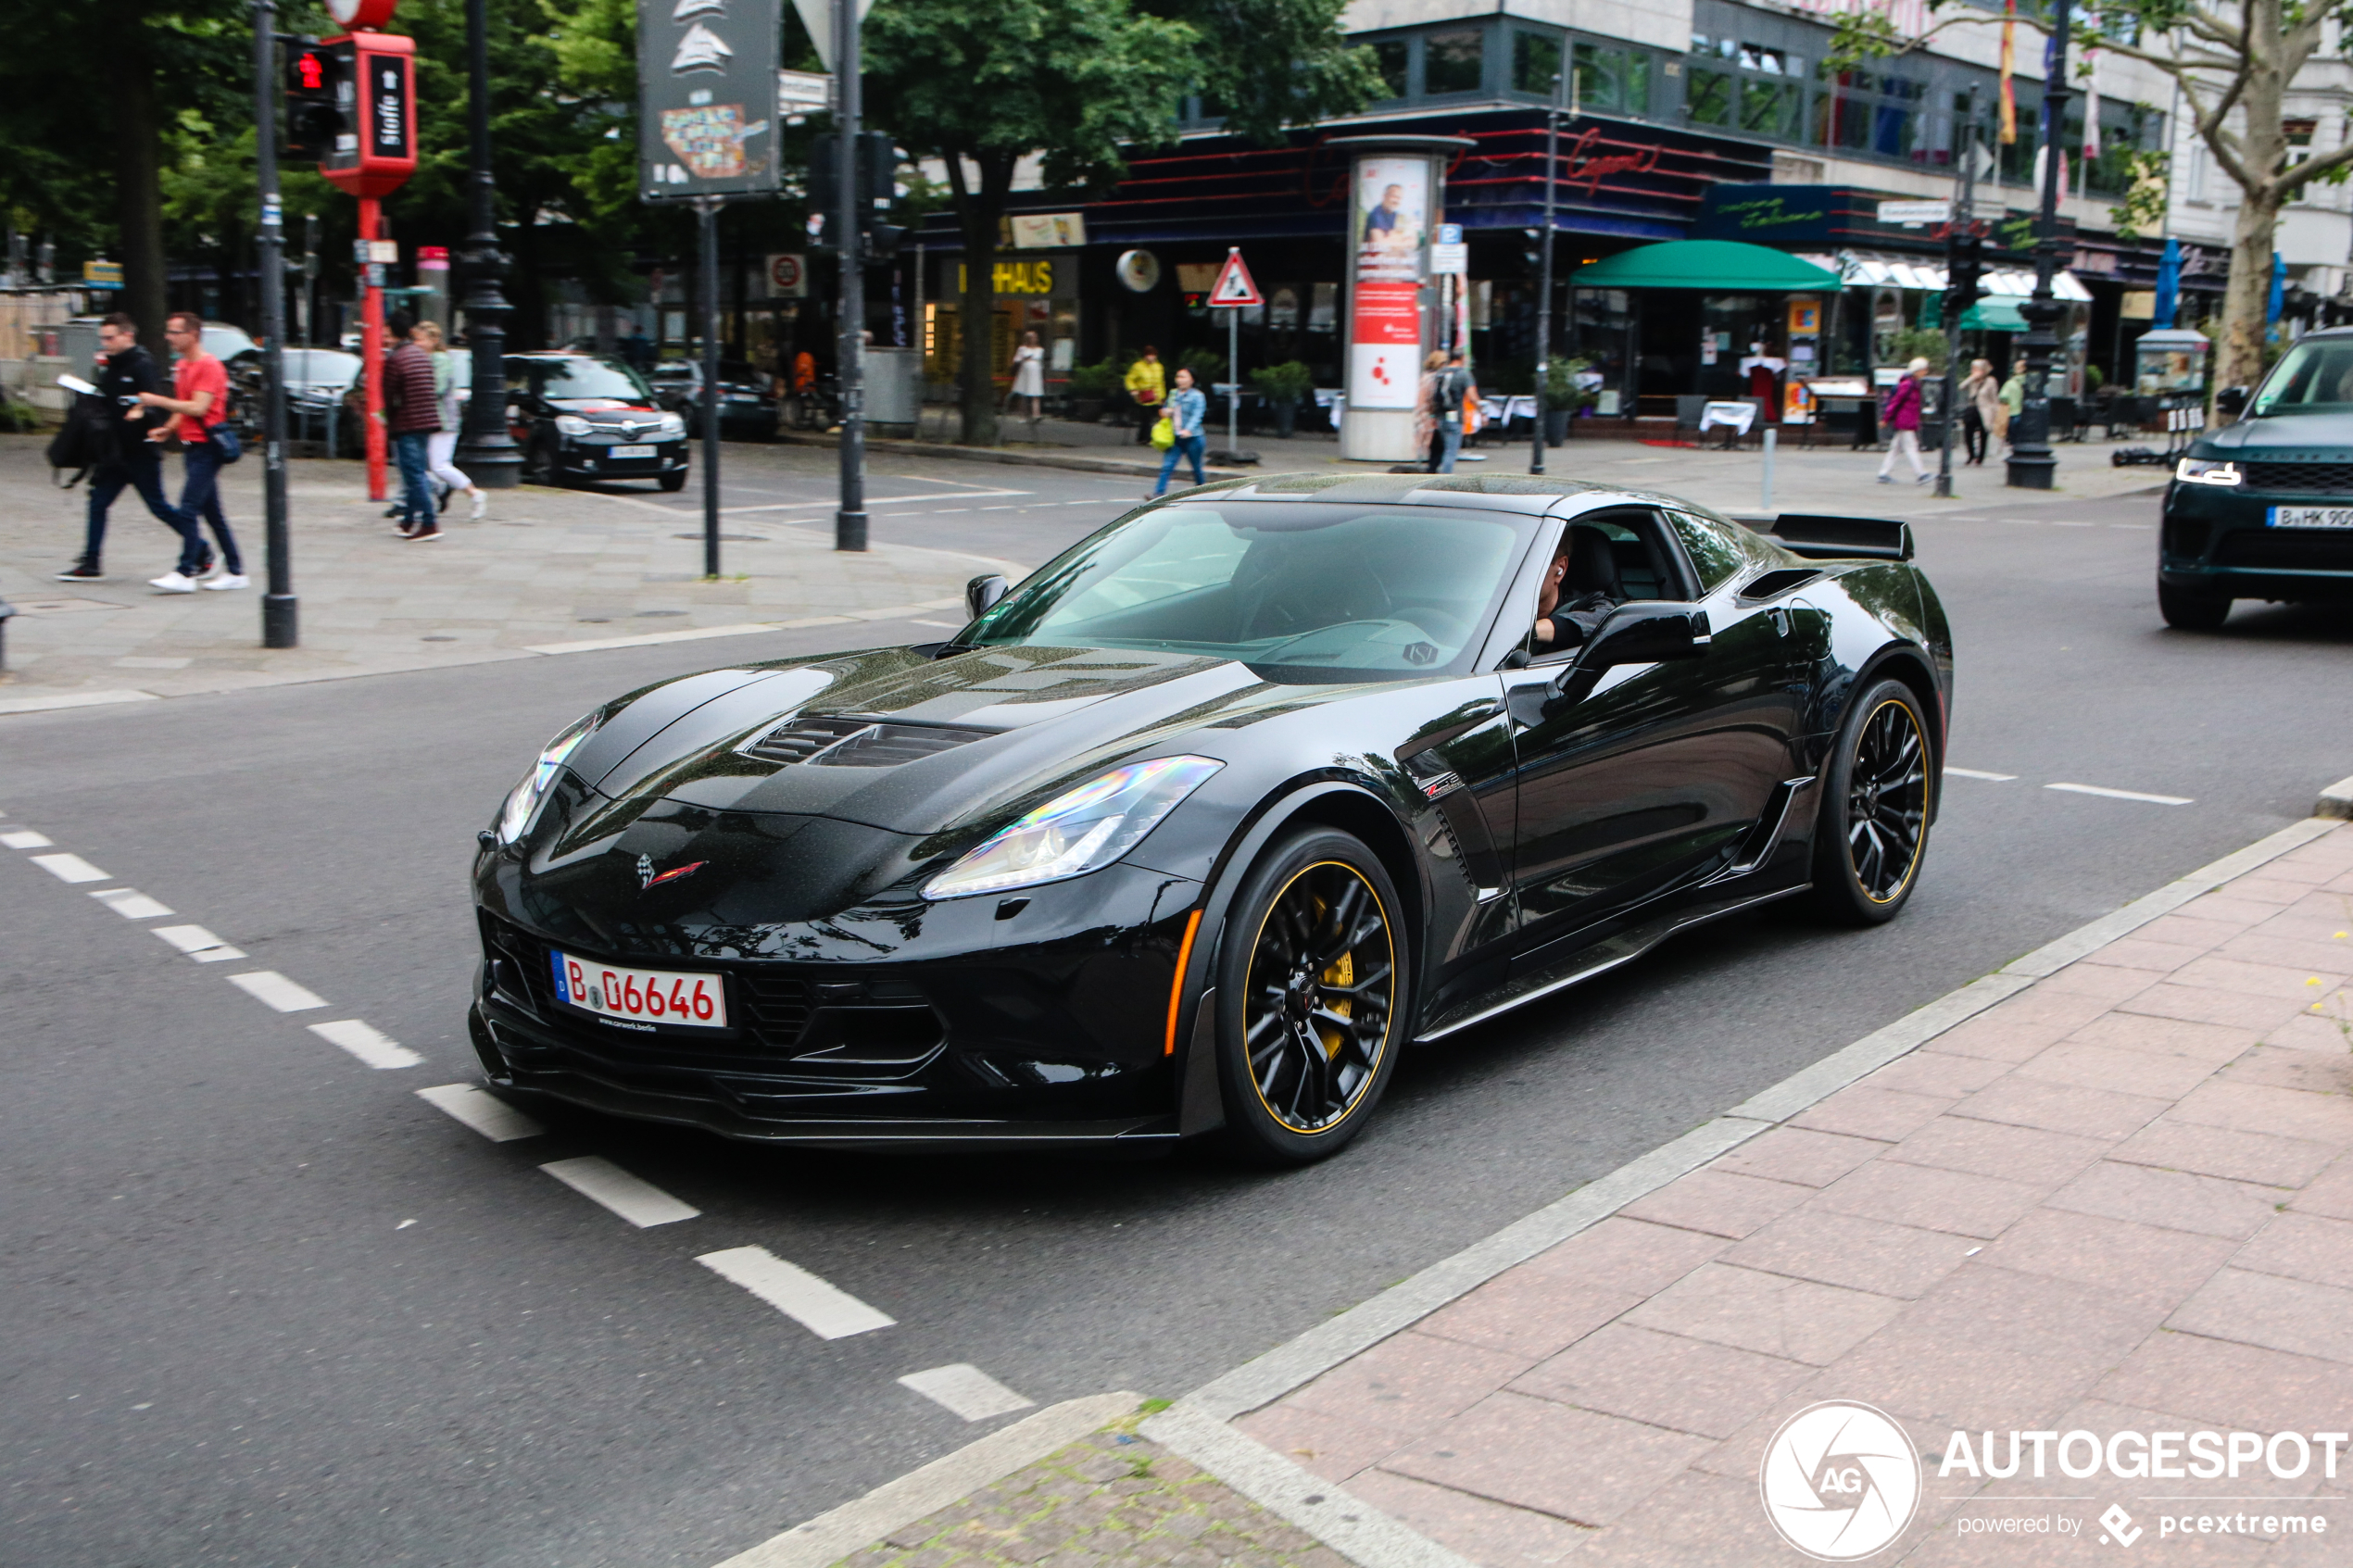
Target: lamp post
[280, 620]
[486, 450]
[849, 517]
[1545, 287]
[2032, 464]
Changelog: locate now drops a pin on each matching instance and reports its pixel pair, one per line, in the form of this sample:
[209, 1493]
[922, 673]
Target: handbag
[223, 437]
[1164, 432]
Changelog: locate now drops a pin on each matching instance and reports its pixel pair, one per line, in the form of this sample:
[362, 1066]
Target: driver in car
[1581, 588]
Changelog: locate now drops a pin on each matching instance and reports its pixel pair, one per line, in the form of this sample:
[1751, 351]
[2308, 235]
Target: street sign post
[1233, 292]
[372, 154]
[1912, 214]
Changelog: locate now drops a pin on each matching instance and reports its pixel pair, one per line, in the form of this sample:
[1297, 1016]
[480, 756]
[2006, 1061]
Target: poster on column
[1389, 221]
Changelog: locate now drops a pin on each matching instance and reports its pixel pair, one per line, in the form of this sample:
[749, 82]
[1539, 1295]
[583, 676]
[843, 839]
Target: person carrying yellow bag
[1148, 384]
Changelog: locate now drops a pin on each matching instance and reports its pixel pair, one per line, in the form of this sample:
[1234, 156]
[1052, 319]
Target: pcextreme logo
[1839, 1480]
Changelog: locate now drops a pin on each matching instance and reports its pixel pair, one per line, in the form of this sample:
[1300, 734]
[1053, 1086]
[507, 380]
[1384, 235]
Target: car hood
[2285, 438]
[897, 740]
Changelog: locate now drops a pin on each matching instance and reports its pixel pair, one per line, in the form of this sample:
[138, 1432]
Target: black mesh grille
[526, 961]
[2312, 549]
[2301, 478]
[2185, 537]
[775, 1008]
[858, 743]
[803, 738]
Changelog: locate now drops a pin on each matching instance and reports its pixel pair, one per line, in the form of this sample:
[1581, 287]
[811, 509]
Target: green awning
[1717, 266]
[1995, 313]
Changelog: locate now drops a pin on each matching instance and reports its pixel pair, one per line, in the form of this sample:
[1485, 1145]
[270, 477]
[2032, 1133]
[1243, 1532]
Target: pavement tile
[1964, 1383]
[1718, 1203]
[2330, 1193]
[1526, 1316]
[2179, 930]
[2262, 888]
[1698, 1520]
[2085, 1066]
[1492, 1534]
[2164, 1267]
[1997, 1149]
[1988, 1306]
[2146, 953]
[2256, 979]
[2221, 1151]
[2171, 1199]
[1931, 1198]
[1573, 1464]
[2272, 1310]
[1860, 1110]
[2211, 1043]
[2257, 1108]
[1410, 1381]
[2319, 1073]
[1995, 1035]
[1852, 1251]
[1622, 1255]
[2202, 1003]
[1801, 1155]
[2060, 1107]
[2107, 977]
[1665, 1380]
[1330, 1446]
[1750, 1309]
[2227, 1382]
[2326, 1028]
[2306, 1247]
[2323, 957]
[2231, 905]
[1945, 1074]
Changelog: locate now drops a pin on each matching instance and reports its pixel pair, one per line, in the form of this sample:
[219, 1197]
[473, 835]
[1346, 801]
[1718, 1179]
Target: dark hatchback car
[580, 417]
[2262, 507]
[746, 405]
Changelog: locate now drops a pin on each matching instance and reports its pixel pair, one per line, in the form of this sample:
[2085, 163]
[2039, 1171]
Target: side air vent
[858, 743]
[1773, 585]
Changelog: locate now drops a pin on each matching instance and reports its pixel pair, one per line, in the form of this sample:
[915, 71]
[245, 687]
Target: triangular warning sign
[1233, 286]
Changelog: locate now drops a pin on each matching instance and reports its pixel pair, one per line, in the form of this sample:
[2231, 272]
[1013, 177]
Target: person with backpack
[199, 405]
[123, 457]
[412, 414]
[1451, 390]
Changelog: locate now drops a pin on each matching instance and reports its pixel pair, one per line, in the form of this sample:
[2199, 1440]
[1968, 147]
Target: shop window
[1892, 128]
[1454, 62]
[1613, 81]
[1388, 58]
[1536, 59]
[1769, 108]
[1707, 99]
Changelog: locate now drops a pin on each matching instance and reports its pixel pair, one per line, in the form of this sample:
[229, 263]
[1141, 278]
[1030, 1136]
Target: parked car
[581, 417]
[747, 403]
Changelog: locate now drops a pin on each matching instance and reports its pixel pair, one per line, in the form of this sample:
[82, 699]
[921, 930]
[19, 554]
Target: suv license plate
[2310, 517]
[632, 452]
[640, 995]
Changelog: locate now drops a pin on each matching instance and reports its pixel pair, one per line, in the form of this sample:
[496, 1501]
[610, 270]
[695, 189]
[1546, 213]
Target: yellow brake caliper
[1340, 973]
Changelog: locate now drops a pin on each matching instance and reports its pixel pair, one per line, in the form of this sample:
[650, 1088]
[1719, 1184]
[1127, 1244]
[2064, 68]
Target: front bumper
[595, 460]
[2215, 540]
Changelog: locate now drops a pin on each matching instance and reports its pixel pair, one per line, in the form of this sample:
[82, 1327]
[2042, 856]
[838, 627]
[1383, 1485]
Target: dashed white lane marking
[70, 867]
[130, 903]
[484, 1112]
[268, 987]
[197, 943]
[374, 1048]
[1974, 774]
[639, 1202]
[943, 625]
[824, 1309]
[2123, 794]
[25, 838]
[968, 1390]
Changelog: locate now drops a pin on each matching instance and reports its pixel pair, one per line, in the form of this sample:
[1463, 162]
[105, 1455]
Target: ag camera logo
[1839, 1480]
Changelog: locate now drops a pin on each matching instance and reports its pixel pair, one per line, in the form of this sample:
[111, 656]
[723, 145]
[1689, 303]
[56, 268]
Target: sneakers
[423, 533]
[1883, 479]
[482, 505]
[448, 491]
[82, 571]
[1922, 478]
[172, 582]
[226, 580]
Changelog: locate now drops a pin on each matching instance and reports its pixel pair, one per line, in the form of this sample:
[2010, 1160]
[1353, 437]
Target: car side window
[1715, 554]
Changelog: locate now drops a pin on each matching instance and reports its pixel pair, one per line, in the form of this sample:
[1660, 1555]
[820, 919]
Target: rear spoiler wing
[1840, 538]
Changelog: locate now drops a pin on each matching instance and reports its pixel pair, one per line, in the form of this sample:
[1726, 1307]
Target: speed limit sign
[788, 277]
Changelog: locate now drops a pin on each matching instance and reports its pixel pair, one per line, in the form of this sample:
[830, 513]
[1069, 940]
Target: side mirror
[983, 592]
[2230, 402]
[1635, 633]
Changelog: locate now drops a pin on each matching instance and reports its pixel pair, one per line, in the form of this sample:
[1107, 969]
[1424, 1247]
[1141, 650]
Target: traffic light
[1965, 268]
[877, 183]
[318, 102]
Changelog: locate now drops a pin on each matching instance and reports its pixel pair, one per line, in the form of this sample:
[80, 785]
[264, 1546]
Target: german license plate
[2310, 517]
[633, 452]
[644, 996]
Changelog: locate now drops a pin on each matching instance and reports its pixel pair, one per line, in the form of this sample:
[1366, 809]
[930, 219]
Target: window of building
[1454, 62]
[1770, 109]
[1536, 59]
[2299, 139]
[1708, 97]
[1388, 58]
[1613, 81]
[1770, 61]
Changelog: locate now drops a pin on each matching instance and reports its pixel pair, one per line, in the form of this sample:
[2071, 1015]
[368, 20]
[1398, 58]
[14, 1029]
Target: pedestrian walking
[1029, 377]
[1901, 415]
[1426, 438]
[1447, 396]
[1146, 385]
[412, 416]
[441, 446]
[2013, 401]
[1188, 409]
[199, 405]
[1981, 408]
[128, 461]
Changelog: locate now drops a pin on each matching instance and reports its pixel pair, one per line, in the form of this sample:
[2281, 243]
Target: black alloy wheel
[2185, 611]
[540, 465]
[674, 481]
[1313, 991]
[1872, 832]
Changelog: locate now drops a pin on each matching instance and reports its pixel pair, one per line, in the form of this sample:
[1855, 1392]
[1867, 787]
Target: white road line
[484, 1112]
[2123, 794]
[197, 943]
[968, 1390]
[1973, 774]
[70, 867]
[948, 511]
[130, 903]
[25, 838]
[375, 1049]
[943, 625]
[266, 986]
[639, 1202]
[2054, 523]
[824, 1310]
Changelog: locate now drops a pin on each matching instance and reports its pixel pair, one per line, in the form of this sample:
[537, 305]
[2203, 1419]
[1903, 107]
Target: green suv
[2262, 507]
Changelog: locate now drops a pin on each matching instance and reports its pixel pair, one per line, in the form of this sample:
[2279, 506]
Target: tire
[674, 483]
[2187, 612]
[539, 465]
[1314, 995]
[1871, 833]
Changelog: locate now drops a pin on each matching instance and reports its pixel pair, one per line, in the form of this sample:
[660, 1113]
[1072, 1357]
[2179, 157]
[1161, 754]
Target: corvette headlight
[1078, 831]
[572, 424]
[525, 798]
[671, 428]
[2203, 470]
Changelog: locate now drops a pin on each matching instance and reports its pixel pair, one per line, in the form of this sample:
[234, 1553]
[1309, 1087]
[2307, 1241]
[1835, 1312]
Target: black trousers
[1973, 431]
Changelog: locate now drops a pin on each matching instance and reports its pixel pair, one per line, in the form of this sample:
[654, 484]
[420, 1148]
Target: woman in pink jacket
[1901, 414]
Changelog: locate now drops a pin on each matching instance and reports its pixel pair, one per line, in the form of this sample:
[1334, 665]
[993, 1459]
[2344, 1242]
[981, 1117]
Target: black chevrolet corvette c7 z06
[1200, 823]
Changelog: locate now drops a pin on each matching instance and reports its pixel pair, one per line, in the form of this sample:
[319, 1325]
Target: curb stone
[1000, 455]
[2337, 801]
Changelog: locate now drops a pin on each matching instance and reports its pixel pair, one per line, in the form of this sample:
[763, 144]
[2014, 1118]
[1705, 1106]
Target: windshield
[586, 378]
[2316, 375]
[1322, 590]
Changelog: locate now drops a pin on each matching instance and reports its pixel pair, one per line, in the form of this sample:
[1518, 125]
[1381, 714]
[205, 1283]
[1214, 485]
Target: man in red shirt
[200, 402]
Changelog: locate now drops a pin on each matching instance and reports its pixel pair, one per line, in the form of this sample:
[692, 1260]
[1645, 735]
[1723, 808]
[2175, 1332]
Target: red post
[371, 352]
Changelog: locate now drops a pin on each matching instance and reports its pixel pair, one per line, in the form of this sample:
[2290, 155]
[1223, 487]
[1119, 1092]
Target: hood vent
[858, 743]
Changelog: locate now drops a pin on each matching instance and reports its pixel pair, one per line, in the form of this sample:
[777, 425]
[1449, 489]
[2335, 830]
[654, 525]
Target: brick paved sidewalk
[2120, 1199]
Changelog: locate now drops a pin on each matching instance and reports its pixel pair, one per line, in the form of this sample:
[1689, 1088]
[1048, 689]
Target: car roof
[1508, 491]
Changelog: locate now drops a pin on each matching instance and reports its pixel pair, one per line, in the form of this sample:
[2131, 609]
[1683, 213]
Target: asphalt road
[267, 1306]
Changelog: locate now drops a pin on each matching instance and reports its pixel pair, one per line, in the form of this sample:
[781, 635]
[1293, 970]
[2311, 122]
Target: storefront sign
[1588, 168]
[1391, 219]
[1912, 214]
[1048, 231]
[1016, 277]
[1805, 318]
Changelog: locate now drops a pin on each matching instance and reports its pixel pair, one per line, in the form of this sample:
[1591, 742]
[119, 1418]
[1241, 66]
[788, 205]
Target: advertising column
[1395, 202]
